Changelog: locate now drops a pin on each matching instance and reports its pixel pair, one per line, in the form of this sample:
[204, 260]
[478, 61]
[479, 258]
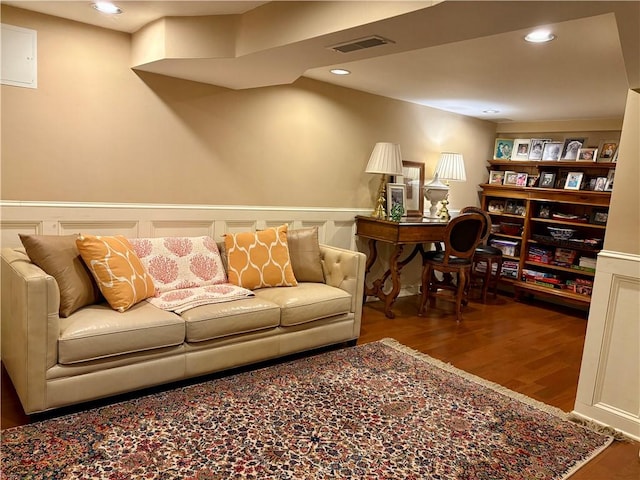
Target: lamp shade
[451, 167]
[386, 159]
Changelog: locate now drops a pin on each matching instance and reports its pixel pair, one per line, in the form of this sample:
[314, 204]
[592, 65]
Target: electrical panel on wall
[19, 60]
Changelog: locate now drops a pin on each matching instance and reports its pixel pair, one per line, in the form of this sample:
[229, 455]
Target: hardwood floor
[534, 349]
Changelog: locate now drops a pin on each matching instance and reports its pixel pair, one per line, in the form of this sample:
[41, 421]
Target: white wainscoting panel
[336, 226]
[609, 384]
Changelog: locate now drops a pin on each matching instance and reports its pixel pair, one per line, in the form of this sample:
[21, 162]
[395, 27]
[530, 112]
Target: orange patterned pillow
[259, 259]
[120, 275]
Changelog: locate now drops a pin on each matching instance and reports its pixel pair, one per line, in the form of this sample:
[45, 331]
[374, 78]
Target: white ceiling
[463, 57]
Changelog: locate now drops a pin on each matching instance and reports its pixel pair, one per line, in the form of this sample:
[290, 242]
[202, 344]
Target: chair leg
[486, 279]
[462, 280]
[497, 279]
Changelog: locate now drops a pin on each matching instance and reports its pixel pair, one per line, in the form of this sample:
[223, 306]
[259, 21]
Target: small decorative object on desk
[396, 213]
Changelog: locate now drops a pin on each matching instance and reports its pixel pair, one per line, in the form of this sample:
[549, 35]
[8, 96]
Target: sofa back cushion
[120, 275]
[260, 259]
[59, 257]
[304, 251]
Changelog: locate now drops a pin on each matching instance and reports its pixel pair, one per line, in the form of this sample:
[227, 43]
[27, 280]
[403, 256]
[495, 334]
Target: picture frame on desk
[396, 194]
[413, 179]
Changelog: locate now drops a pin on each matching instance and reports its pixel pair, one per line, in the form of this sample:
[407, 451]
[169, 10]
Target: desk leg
[371, 259]
[395, 266]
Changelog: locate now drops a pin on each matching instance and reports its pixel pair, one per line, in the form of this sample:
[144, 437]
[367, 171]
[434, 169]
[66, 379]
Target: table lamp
[386, 160]
[450, 167]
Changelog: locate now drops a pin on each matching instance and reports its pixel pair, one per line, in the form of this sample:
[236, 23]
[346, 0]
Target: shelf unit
[543, 265]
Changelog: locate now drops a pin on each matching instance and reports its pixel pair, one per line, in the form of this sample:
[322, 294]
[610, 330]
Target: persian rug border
[551, 410]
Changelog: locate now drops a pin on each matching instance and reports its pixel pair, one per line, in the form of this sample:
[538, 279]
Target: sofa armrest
[344, 269]
[30, 301]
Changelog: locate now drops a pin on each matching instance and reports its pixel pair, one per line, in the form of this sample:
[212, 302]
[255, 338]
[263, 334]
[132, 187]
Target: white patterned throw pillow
[187, 272]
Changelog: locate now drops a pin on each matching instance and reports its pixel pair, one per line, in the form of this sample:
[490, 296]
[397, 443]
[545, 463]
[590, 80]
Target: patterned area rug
[376, 411]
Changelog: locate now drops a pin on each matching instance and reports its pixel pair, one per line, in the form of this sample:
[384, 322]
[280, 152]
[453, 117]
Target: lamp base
[379, 211]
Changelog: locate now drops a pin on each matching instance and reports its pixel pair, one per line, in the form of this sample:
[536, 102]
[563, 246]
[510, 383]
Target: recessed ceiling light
[540, 36]
[340, 71]
[107, 7]
[491, 111]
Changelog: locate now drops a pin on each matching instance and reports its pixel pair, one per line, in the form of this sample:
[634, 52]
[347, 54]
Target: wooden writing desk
[412, 231]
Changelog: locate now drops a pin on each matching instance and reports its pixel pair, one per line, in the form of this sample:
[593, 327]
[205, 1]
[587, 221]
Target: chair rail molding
[336, 226]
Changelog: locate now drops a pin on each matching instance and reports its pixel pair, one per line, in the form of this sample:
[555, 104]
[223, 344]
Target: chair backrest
[486, 231]
[462, 236]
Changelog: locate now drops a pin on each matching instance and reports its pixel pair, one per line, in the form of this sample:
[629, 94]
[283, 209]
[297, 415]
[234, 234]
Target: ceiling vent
[360, 44]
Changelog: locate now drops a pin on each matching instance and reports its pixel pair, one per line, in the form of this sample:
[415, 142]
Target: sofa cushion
[304, 251]
[98, 331]
[59, 257]
[307, 302]
[120, 275]
[259, 259]
[230, 318]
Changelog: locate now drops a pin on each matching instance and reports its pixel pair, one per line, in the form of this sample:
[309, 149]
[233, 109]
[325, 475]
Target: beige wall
[623, 225]
[95, 131]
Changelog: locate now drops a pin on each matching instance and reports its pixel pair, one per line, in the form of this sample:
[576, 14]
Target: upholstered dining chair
[485, 254]
[461, 238]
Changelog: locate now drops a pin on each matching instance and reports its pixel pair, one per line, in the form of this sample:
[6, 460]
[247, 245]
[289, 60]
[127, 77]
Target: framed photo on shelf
[547, 180]
[599, 216]
[496, 206]
[396, 194]
[587, 154]
[496, 176]
[521, 149]
[600, 184]
[536, 147]
[571, 148]
[532, 181]
[574, 180]
[607, 150]
[521, 179]
[510, 178]
[413, 179]
[510, 207]
[503, 148]
[552, 151]
[608, 186]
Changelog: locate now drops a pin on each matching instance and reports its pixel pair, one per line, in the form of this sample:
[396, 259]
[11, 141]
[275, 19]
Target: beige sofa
[97, 352]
